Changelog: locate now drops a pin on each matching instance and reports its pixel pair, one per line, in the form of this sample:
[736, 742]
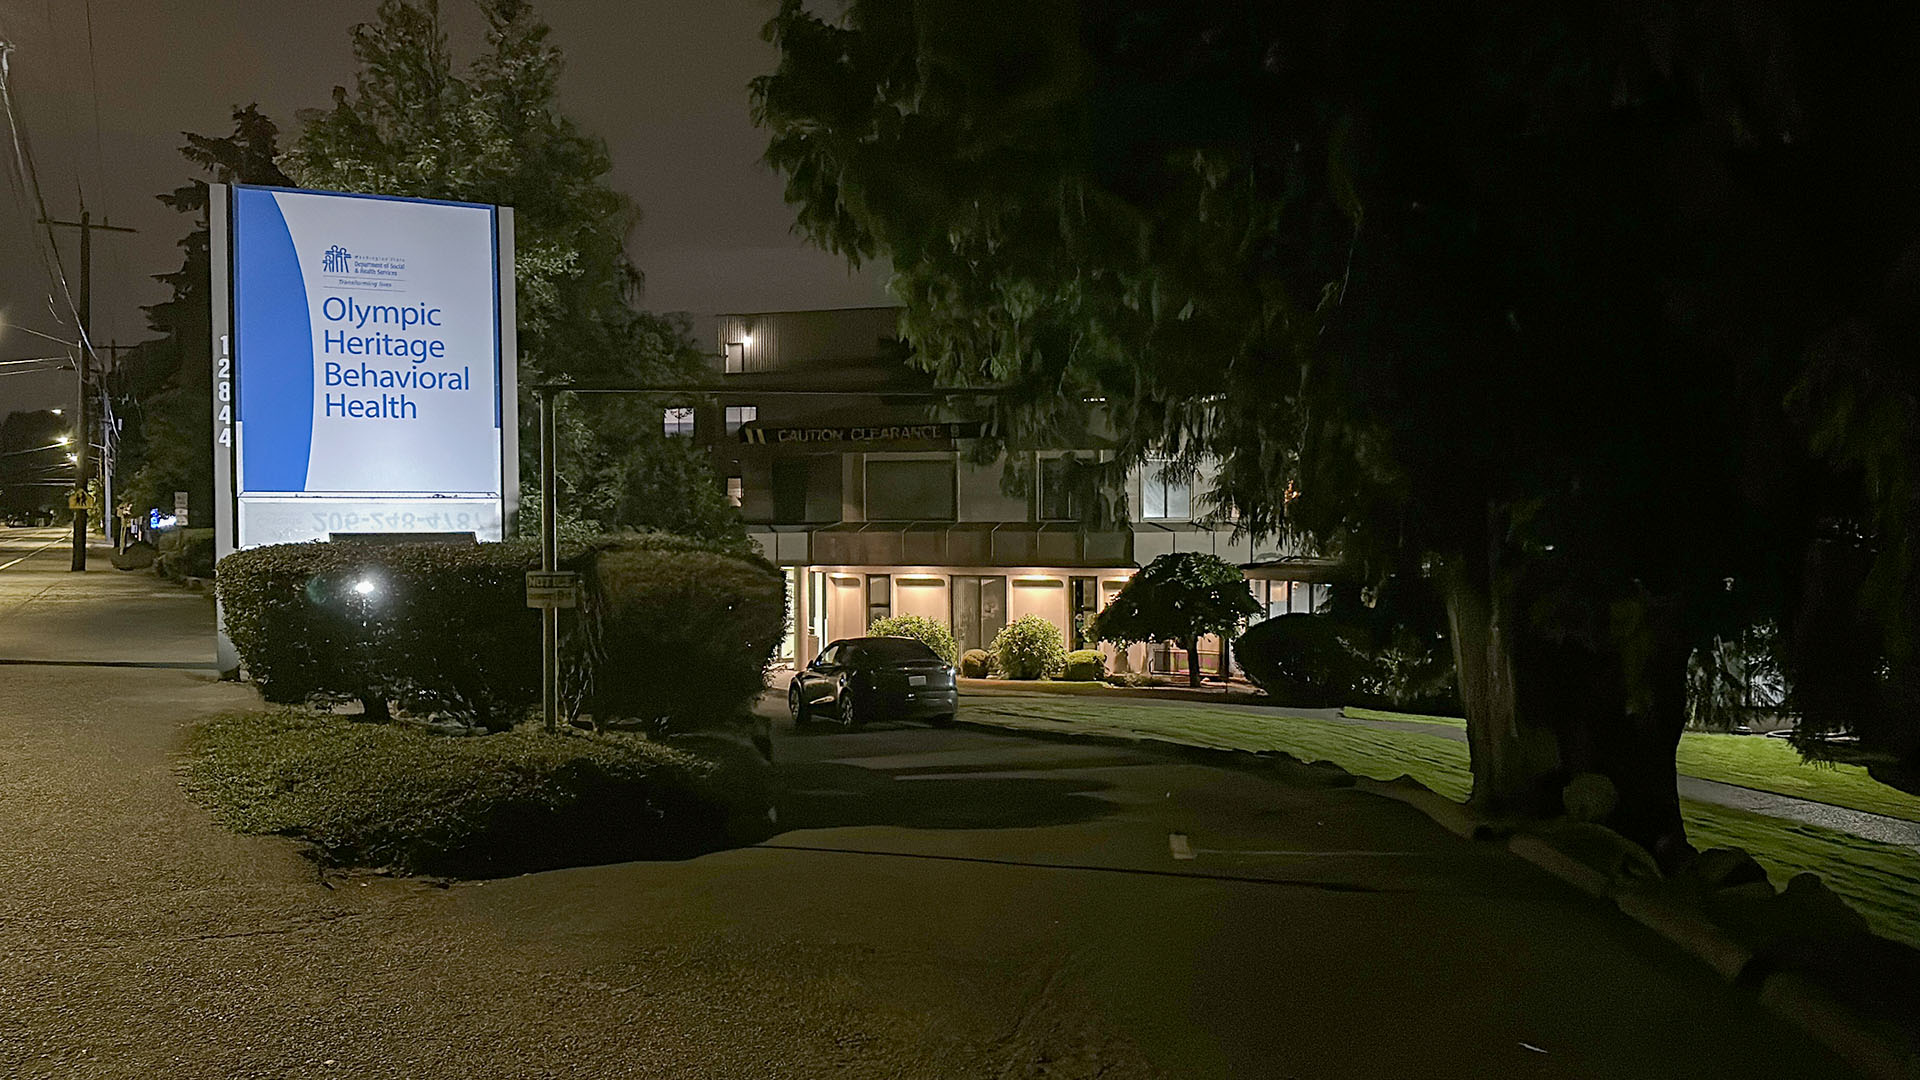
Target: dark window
[1064, 489]
[879, 597]
[790, 491]
[910, 490]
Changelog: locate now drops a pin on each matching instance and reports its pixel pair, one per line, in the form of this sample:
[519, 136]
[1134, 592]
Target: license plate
[916, 680]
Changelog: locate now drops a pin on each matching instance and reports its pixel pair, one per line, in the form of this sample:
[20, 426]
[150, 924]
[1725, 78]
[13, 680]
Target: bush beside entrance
[929, 632]
[1030, 647]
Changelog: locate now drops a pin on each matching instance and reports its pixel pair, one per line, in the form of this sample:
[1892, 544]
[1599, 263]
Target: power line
[93, 76]
[28, 186]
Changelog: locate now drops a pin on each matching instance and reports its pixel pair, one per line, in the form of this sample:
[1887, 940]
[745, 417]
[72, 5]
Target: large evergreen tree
[165, 385]
[1508, 294]
[492, 132]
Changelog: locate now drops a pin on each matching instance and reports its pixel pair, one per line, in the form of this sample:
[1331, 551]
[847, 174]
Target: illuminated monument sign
[367, 382]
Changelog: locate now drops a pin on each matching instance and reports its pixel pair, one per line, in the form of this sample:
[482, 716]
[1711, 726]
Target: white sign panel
[367, 357]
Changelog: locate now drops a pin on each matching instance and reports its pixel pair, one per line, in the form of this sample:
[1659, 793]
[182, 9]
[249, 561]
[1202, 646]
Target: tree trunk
[373, 706]
[1516, 763]
[1193, 661]
[1623, 720]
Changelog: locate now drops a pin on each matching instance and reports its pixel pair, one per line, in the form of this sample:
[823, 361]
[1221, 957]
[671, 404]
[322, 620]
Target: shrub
[1303, 659]
[185, 553]
[445, 628]
[930, 632]
[678, 636]
[391, 795]
[1030, 647]
[1086, 665]
[670, 633]
[976, 663]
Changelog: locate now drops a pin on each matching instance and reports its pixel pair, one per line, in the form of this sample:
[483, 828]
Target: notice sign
[367, 363]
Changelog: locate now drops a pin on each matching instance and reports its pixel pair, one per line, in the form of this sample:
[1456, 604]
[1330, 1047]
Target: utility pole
[83, 457]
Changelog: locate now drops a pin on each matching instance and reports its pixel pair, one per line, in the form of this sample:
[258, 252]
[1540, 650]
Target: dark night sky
[663, 81]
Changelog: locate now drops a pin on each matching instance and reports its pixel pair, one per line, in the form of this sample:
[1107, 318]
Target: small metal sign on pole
[553, 589]
[180, 508]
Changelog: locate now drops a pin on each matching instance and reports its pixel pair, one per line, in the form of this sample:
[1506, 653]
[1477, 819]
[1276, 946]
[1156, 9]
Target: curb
[1449, 815]
[1687, 929]
[1817, 1013]
[1788, 995]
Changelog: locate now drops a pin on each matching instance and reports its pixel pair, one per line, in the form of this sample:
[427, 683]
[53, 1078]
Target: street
[937, 904]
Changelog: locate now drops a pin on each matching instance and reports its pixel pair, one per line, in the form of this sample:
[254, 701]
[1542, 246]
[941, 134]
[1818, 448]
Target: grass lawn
[1755, 762]
[1880, 880]
[398, 797]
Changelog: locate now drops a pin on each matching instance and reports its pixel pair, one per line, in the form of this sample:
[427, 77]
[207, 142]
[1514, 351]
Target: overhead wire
[27, 180]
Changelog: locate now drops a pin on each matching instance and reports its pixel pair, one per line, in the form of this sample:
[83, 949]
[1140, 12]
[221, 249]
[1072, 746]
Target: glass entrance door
[979, 610]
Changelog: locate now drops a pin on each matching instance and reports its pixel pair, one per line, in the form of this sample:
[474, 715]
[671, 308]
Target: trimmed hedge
[678, 635]
[399, 797]
[1301, 659]
[442, 627]
[1030, 647]
[1085, 665]
[929, 632]
[671, 633]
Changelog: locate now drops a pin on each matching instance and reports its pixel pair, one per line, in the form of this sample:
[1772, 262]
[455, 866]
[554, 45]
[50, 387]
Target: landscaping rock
[1725, 868]
[1589, 797]
[1599, 847]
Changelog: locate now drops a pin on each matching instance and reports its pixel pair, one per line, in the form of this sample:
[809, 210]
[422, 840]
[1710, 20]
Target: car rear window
[894, 650]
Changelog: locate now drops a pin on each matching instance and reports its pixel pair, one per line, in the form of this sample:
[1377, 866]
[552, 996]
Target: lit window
[1165, 493]
[736, 491]
[679, 422]
[739, 416]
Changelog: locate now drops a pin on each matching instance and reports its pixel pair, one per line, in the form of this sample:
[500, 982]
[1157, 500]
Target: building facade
[870, 496]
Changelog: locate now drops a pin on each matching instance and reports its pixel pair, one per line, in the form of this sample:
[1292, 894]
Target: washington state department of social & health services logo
[337, 260]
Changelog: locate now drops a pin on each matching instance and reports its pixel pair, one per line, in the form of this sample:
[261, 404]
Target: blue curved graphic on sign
[275, 347]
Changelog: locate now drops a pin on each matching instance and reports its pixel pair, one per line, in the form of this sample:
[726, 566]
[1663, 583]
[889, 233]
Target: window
[879, 597]
[679, 422]
[790, 491]
[1064, 490]
[736, 357]
[739, 416]
[1165, 493]
[736, 490]
[913, 489]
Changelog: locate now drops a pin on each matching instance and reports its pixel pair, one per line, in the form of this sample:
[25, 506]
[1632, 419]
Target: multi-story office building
[872, 503]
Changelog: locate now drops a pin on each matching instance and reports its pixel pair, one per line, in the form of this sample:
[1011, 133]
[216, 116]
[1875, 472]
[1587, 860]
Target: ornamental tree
[1179, 597]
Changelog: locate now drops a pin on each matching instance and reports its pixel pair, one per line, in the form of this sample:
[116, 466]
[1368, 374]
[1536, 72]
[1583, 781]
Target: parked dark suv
[856, 680]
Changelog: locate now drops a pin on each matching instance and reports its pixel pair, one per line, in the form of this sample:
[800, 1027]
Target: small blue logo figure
[335, 261]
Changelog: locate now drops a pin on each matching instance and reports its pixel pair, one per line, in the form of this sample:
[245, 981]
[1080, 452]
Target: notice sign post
[364, 366]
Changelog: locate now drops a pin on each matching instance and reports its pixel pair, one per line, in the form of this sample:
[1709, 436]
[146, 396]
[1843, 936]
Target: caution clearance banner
[877, 433]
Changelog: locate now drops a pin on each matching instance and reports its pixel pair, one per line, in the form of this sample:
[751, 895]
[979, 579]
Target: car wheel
[851, 714]
[801, 717]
